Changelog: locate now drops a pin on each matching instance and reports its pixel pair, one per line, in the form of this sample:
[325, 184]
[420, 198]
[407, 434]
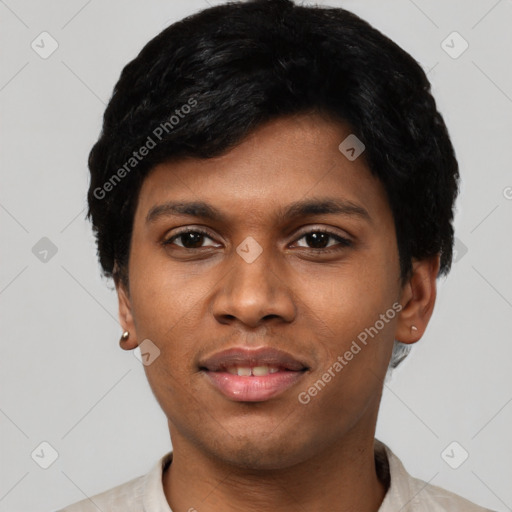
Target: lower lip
[253, 389]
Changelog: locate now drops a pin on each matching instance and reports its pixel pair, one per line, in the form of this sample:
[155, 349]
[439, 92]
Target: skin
[192, 302]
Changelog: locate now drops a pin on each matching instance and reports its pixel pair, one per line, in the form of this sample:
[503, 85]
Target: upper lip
[242, 356]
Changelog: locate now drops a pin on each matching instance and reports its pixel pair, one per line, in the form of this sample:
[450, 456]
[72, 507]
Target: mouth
[255, 375]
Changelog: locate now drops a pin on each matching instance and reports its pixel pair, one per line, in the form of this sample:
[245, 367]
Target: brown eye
[319, 239]
[190, 239]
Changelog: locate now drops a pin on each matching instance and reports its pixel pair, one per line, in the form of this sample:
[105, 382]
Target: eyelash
[344, 242]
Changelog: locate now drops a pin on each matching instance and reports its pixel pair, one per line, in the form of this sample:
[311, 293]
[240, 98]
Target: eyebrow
[301, 208]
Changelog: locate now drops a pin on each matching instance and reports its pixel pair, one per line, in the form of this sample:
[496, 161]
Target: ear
[125, 316]
[418, 297]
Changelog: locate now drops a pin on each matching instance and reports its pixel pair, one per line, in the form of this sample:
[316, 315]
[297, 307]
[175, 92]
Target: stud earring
[124, 336]
[414, 328]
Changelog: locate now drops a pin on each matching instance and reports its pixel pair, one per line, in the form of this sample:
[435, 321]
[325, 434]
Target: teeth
[260, 371]
[256, 371]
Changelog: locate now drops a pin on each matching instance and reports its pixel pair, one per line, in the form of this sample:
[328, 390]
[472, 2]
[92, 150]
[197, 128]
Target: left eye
[320, 237]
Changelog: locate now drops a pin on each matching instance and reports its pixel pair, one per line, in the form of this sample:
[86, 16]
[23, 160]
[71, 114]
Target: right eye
[191, 239]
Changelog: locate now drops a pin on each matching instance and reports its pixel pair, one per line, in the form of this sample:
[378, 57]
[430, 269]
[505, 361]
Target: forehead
[284, 161]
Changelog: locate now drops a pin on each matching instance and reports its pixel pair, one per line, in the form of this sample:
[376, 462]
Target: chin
[261, 451]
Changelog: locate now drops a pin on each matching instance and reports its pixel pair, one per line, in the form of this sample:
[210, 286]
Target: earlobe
[128, 340]
[418, 298]
[124, 343]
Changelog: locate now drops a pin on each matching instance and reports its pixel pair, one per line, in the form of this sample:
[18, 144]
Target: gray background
[64, 380]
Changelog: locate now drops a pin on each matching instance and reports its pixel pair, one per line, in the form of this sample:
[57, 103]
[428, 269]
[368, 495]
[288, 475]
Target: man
[273, 194]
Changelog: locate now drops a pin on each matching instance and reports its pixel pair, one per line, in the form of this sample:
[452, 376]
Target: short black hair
[205, 82]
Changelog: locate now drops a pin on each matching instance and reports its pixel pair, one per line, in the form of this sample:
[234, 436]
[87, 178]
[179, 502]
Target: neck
[342, 478]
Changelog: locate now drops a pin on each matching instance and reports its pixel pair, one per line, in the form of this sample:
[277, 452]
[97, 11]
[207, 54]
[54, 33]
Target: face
[293, 249]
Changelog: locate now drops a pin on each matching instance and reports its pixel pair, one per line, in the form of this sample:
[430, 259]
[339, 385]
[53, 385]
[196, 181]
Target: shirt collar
[154, 499]
[389, 468]
[400, 492]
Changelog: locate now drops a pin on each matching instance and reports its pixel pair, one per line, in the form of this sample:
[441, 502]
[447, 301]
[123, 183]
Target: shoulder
[141, 493]
[410, 494]
[431, 497]
[126, 497]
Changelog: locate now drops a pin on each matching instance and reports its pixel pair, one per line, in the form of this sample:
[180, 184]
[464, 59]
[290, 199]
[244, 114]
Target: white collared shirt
[405, 493]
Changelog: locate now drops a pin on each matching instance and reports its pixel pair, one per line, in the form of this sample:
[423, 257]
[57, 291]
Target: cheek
[355, 321]
[348, 298]
[168, 308]
[162, 296]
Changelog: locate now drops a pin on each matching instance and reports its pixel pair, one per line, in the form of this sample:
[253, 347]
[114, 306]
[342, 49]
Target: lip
[252, 389]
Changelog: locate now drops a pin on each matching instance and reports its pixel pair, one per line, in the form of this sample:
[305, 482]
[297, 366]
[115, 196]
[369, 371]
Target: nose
[254, 293]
